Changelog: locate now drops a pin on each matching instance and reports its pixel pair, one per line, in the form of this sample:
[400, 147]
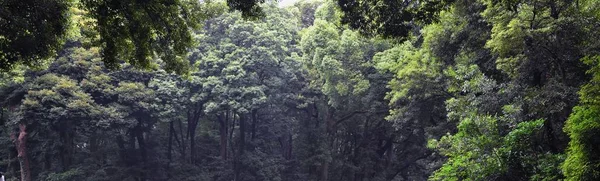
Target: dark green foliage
[394, 19]
[31, 31]
[135, 31]
[307, 11]
[249, 8]
[132, 31]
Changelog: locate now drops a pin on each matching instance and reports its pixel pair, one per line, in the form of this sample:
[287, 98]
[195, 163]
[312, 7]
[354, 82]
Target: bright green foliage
[509, 69]
[478, 151]
[69, 102]
[582, 161]
[557, 70]
[327, 57]
[238, 63]
[337, 59]
[244, 77]
[415, 71]
[409, 65]
[473, 152]
[417, 92]
[351, 108]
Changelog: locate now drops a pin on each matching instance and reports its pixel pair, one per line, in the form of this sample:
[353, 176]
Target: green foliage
[582, 126]
[390, 18]
[247, 66]
[133, 31]
[72, 174]
[412, 68]
[465, 74]
[306, 11]
[464, 90]
[337, 60]
[479, 152]
[32, 31]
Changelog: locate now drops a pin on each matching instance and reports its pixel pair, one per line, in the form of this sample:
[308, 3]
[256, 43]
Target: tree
[31, 31]
[582, 162]
[129, 31]
[306, 11]
[530, 83]
[395, 19]
[450, 90]
[350, 138]
[243, 65]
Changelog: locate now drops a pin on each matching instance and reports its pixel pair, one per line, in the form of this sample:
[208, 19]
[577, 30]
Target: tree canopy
[319, 90]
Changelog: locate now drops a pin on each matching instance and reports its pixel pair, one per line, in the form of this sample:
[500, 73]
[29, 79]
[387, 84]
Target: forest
[317, 90]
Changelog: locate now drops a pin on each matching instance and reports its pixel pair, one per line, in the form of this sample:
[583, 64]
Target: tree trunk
[142, 145]
[143, 151]
[223, 135]
[242, 134]
[169, 154]
[21, 143]
[254, 119]
[9, 167]
[329, 130]
[182, 140]
[230, 132]
[242, 143]
[290, 147]
[122, 149]
[131, 152]
[47, 161]
[192, 130]
[554, 11]
[193, 120]
[232, 146]
[170, 149]
[65, 148]
[325, 171]
[286, 146]
[93, 139]
[550, 137]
